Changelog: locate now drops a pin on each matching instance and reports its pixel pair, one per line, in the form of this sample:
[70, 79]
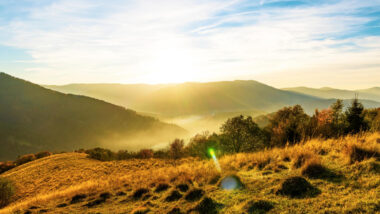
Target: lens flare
[211, 151]
[231, 183]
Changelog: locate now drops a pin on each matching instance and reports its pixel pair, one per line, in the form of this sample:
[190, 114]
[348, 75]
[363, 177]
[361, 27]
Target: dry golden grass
[54, 180]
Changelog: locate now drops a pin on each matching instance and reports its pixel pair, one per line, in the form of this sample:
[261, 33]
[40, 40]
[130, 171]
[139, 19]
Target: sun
[171, 65]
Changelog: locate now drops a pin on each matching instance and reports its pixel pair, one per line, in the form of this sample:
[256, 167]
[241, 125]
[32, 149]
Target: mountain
[328, 93]
[200, 99]
[33, 118]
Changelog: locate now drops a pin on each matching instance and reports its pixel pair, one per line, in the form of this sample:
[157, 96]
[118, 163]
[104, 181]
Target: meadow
[342, 176]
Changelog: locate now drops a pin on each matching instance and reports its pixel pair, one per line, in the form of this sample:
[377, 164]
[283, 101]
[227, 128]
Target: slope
[33, 118]
[72, 183]
[175, 100]
[328, 93]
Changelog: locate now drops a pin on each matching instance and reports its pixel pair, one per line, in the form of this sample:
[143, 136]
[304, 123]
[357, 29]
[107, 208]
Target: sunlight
[170, 65]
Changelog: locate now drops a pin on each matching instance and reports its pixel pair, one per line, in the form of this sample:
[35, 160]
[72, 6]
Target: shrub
[5, 166]
[301, 157]
[177, 149]
[297, 187]
[145, 154]
[314, 169]
[357, 154]
[25, 159]
[162, 153]
[43, 154]
[6, 192]
[200, 144]
[101, 154]
[123, 155]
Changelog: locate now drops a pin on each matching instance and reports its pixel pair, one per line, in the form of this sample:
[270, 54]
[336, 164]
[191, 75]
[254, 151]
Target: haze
[280, 43]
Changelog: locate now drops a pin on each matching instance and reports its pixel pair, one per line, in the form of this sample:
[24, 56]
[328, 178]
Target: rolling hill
[33, 118]
[186, 99]
[329, 93]
[73, 183]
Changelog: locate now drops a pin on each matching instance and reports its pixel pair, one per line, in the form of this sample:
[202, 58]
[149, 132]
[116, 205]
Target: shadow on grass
[298, 187]
[317, 171]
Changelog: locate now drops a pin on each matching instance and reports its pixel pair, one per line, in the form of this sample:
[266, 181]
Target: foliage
[200, 144]
[6, 192]
[25, 159]
[43, 154]
[145, 153]
[177, 148]
[355, 118]
[243, 135]
[5, 166]
[101, 154]
[34, 118]
[288, 125]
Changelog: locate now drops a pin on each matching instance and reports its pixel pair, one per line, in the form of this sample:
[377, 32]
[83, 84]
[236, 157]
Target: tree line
[288, 126]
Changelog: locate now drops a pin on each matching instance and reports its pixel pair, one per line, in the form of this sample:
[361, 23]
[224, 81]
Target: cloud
[146, 41]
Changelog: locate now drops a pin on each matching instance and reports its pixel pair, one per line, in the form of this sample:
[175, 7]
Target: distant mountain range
[179, 100]
[33, 118]
[328, 93]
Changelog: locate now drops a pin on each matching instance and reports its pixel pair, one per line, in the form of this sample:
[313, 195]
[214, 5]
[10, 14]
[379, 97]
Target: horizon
[280, 43]
[118, 83]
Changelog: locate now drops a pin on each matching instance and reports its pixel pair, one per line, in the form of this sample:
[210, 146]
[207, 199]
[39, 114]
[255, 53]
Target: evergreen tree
[355, 118]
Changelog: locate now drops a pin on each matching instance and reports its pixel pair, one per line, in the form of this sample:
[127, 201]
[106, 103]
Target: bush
[43, 154]
[162, 153]
[357, 154]
[6, 192]
[123, 155]
[5, 166]
[314, 169]
[297, 187]
[25, 159]
[145, 154]
[177, 149]
[201, 143]
[101, 154]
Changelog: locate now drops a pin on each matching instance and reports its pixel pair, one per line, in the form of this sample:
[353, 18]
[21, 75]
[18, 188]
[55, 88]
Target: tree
[176, 148]
[288, 125]
[355, 118]
[338, 120]
[243, 134]
[200, 144]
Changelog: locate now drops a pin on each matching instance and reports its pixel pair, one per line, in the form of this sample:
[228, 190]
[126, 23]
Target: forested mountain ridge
[33, 118]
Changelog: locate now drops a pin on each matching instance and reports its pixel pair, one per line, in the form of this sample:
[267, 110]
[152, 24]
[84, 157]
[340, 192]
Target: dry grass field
[341, 176]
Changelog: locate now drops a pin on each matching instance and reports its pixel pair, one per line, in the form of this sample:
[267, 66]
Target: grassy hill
[347, 182]
[328, 93]
[33, 118]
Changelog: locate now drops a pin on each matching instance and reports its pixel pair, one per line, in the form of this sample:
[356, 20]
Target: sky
[334, 43]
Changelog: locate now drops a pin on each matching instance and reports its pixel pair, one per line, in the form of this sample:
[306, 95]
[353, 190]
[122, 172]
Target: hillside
[33, 118]
[329, 93]
[201, 99]
[72, 183]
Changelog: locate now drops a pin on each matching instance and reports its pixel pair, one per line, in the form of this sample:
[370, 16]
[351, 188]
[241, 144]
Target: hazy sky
[313, 43]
